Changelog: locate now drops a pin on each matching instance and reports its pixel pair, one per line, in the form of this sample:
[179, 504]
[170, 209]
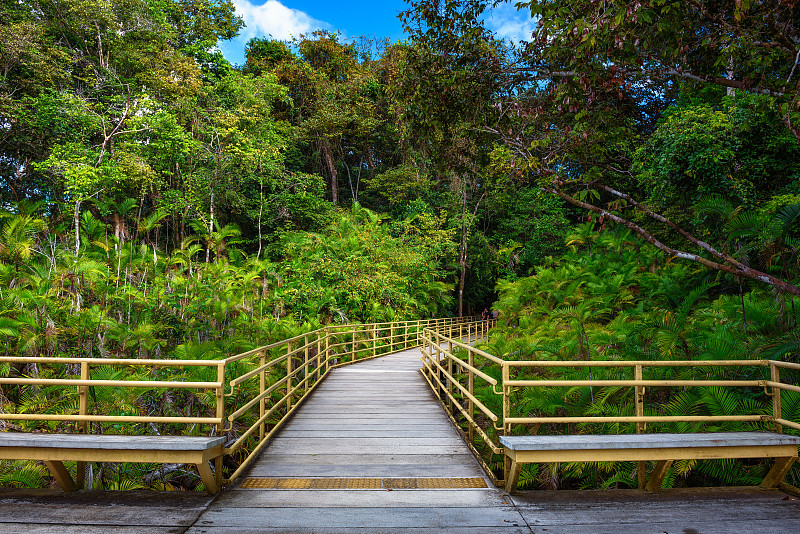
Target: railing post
[83, 409]
[405, 335]
[307, 365]
[220, 394]
[777, 412]
[327, 349]
[506, 399]
[288, 376]
[374, 339]
[506, 415]
[83, 395]
[640, 426]
[262, 385]
[471, 389]
[450, 372]
[319, 355]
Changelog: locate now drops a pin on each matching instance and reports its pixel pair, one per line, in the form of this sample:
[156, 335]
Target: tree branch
[735, 268]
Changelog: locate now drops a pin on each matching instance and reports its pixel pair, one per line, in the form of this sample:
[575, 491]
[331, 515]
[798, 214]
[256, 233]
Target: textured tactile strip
[294, 483]
[259, 483]
[329, 483]
[399, 483]
[363, 483]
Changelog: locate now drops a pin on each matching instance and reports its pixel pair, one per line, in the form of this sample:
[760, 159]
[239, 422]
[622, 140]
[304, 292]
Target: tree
[570, 109]
[596, 46]
[446, 89]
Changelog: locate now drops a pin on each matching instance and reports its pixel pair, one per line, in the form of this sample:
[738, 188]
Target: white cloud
[274, 19]
[512, 25]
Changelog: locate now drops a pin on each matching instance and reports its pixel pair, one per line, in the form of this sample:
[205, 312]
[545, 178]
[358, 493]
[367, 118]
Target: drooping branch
[731, 266]
[660, 218]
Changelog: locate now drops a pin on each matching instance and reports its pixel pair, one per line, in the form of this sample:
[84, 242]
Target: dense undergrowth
[613, 297]
[126, 298]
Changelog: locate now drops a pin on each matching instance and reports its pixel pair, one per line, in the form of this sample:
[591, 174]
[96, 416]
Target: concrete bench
[662, 448]
[54, 449]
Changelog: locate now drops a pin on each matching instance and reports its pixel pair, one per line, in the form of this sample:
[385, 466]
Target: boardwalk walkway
[370, 451]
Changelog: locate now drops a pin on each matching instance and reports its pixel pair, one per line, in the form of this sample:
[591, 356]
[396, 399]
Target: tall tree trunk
[77, 227]
[210, 226]
[327, 155]
[260, 212]
[462, 253]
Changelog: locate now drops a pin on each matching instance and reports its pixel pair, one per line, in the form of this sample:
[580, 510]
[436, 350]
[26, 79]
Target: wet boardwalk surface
[371, 451]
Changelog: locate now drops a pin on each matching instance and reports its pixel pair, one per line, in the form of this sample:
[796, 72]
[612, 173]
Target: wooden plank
[441, 498]
[657, 476]
[107, 510]
[102, 455]
[105, 441]
[676, 453]
[777, 473]
[61, 475]
[37, 528]
[349, 516]
[645, 441]
[442, 529]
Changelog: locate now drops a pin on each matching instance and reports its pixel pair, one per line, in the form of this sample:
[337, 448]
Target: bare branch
[735, 268]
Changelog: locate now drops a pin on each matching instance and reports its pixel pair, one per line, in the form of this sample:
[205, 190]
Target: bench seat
[662, 448]
[54, 449]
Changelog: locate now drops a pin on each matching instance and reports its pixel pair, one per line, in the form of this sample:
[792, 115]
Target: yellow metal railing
[455, 370]
[248, 396]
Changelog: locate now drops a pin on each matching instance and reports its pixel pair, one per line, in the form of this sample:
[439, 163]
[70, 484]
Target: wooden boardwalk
[371, 451]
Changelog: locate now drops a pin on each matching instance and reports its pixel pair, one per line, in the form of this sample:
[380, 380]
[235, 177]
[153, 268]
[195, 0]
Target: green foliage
[358, 271]
[613, 297]
[733, 151]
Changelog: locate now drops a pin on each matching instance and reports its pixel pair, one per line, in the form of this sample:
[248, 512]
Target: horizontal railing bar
[785, 365]
[109, 383]
[495, 448]
[246, 462]
[271, 363]
[467, 366]
[271, 346]
[490, 414]
[634, 363]
[261, 420]
[790, 424]
[651, 383]
[109, 418]
[638, 419]
[465, 346]
[781, 385]
[267, 392]
[112, 361]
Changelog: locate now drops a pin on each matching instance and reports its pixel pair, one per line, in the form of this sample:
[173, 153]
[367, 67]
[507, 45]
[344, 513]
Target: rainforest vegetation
[624, 184]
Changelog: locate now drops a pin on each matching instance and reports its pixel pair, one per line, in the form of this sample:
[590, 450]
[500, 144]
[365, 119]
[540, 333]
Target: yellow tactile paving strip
[362, 483]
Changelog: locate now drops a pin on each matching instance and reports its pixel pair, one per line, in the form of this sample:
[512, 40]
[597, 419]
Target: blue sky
[284, 19]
